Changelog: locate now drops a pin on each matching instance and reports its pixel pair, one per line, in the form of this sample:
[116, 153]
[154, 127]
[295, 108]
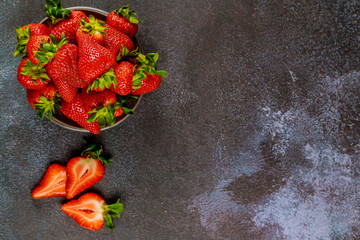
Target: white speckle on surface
[215, 207]
[324, 213]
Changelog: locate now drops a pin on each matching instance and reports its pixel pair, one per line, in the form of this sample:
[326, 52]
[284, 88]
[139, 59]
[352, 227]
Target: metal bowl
[62, 120]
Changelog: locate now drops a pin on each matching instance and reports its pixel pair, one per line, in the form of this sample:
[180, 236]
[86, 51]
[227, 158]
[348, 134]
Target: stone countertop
[254, 134]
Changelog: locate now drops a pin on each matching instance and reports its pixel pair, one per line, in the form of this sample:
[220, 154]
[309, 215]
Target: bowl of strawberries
[83, 68]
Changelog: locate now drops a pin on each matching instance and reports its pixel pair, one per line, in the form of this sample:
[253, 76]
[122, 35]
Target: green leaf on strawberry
[93, 25]
[55, 11]
[46, 106]
[112, 211]
[47, 51]
[22, 36]
[125, 12]
[95, 151]
[35, 72]
[104, 81]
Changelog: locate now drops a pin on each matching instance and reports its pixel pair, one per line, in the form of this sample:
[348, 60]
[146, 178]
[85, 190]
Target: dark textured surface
[254, 134]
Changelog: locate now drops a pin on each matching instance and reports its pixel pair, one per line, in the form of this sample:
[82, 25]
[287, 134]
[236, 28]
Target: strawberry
[124, 73]
[102, 106]
[123, 20]
[86, 170]
[60, 60]
[76, 111]
[52, 184]
[24, 33]
[32, 76]
[153, 77]
[93, 29]
[33, 45]
[43, 100]
[90, 211]
[37, 29]
[64, 66]
[115, 40]
[64, 20]
[94, 60]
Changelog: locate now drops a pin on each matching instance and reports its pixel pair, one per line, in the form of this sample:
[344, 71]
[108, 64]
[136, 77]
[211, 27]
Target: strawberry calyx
[125, 54]
[95, 151]
[104, 81]
[93, 26]
[35, 72]
[123, 101]
[128, 14]
[148, 64]
[55, 11]
[104, 115]
[47, 51]
[22, 36]
[111, 211]
[46, 106]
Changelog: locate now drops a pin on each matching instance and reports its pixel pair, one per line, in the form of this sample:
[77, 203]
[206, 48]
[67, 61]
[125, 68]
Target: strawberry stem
[112, 211]
[95, 151]
[55, 11]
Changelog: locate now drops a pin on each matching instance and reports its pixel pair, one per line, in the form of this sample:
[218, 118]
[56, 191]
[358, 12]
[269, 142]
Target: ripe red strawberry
[76, 111]
[64, 20]
[43, 100]
[37, 29]
[123, 20]
[52, 184]
[93, 29]
[64, 66]
[90, 211]
[34, 44]
[149, 84]
[115, 40]
[23, 36]
[102, 106]
[153, 77]
[94, 60]
[83, 172]
[32, 76]
[124, 73]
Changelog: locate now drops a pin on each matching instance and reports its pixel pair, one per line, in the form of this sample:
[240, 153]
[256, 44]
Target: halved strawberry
[83, 172]
[90, 211]
[52, 184]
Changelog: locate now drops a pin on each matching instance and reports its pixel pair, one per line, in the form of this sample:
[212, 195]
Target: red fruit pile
[80, 173]
[87, 67]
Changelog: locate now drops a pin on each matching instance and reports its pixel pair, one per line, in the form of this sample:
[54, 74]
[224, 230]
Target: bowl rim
[81, 129]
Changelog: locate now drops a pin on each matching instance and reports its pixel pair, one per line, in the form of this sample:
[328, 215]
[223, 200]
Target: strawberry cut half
[90, 211]
[52, 184]
[83, 172]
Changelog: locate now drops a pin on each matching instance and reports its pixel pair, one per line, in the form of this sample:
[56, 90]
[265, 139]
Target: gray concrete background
[254, 134]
